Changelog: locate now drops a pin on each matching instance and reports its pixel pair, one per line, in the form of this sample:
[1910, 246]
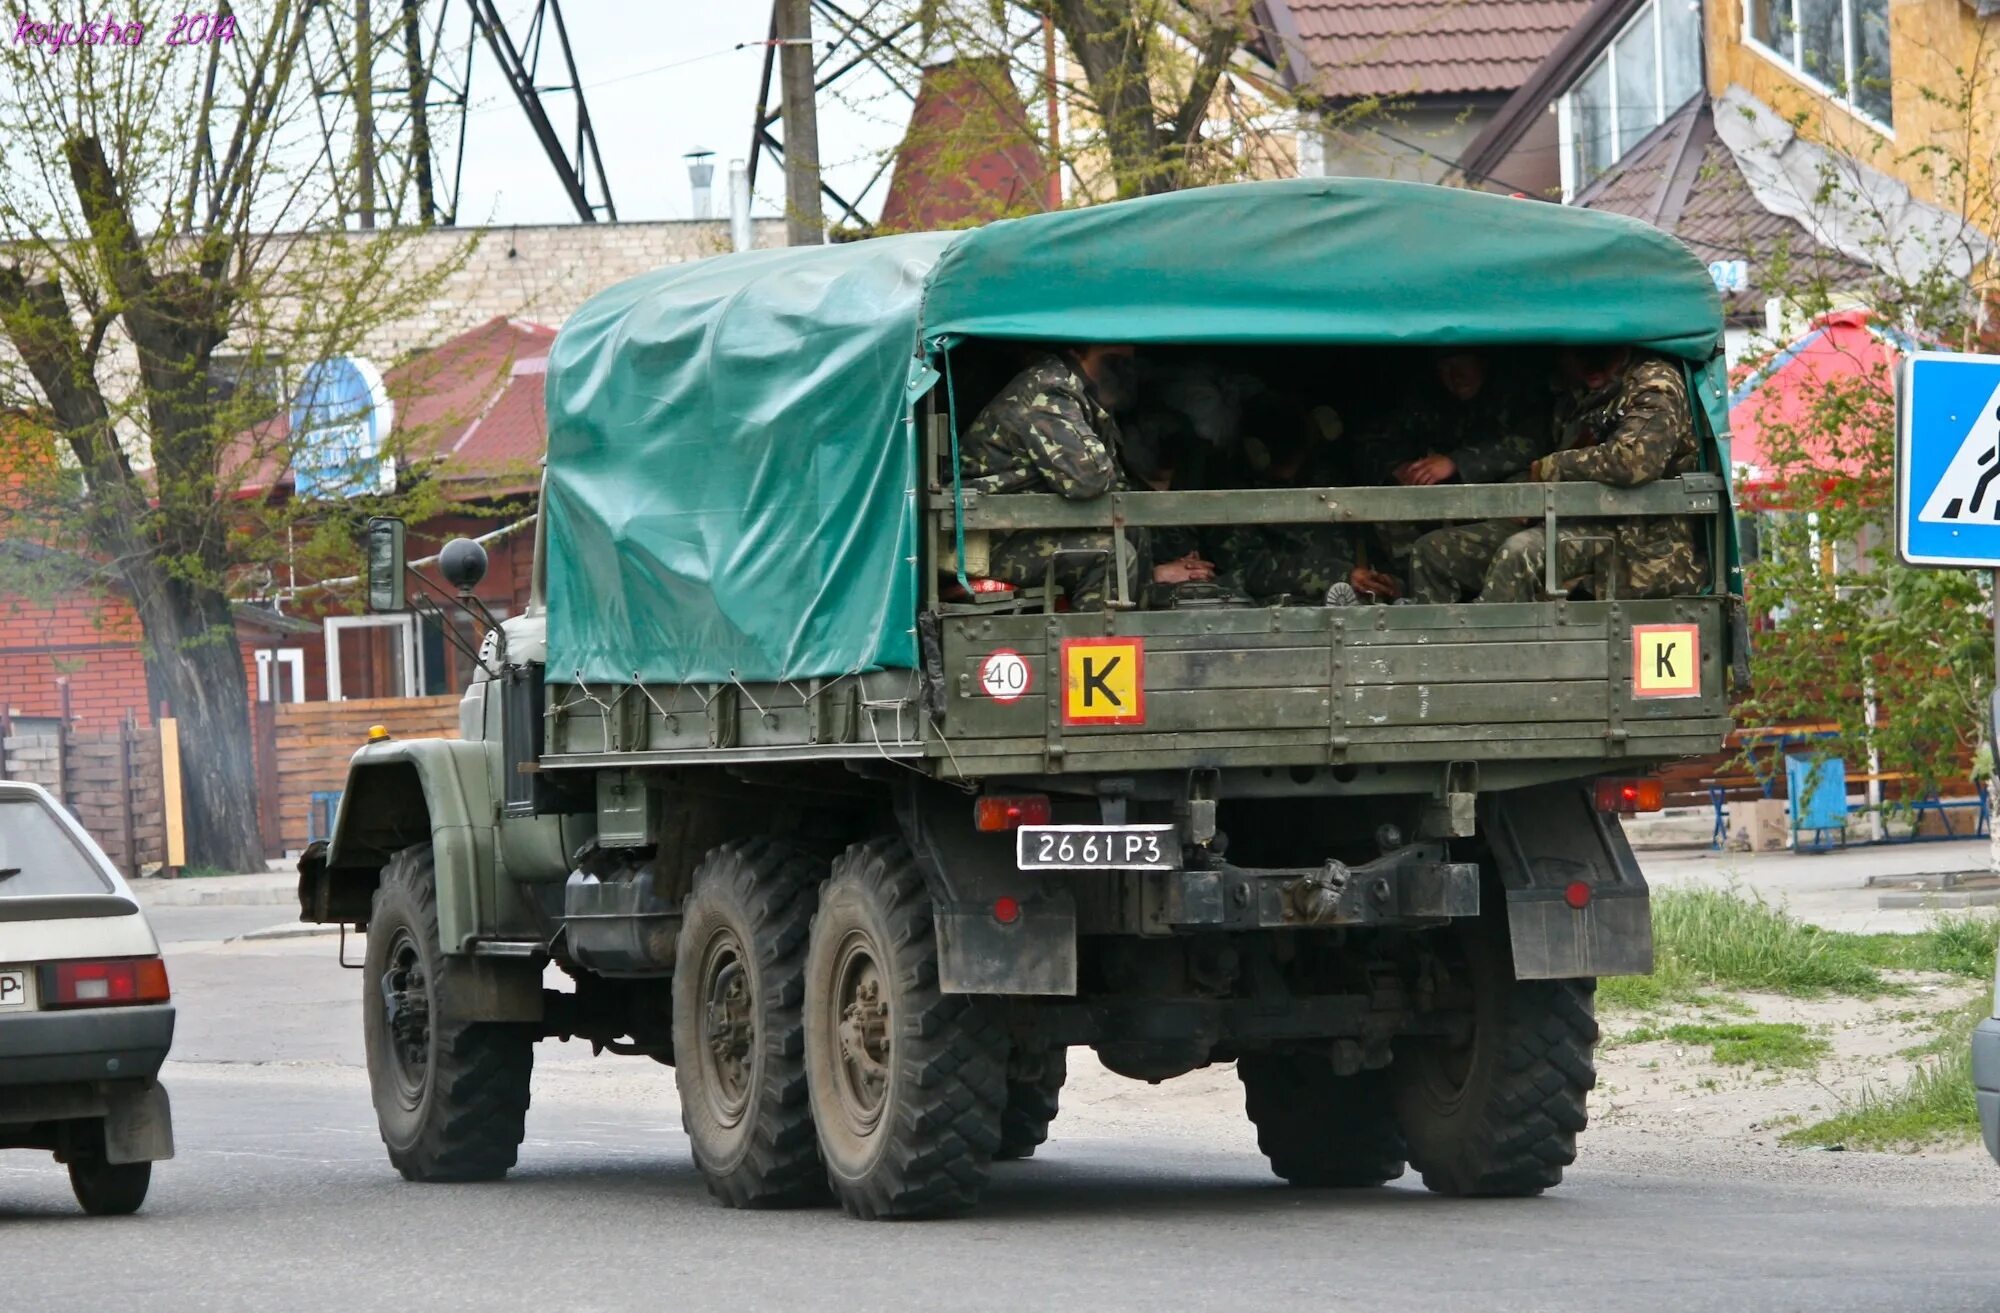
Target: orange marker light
[1008, 812]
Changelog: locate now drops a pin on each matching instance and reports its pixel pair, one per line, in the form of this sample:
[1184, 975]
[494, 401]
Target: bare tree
[151, 326]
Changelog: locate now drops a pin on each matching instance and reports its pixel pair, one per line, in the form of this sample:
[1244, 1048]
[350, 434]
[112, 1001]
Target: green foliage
[1760, 1044]
[1899, 660]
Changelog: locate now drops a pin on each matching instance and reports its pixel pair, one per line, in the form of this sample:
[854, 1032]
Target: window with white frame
[1649, 70]
[1841, 46]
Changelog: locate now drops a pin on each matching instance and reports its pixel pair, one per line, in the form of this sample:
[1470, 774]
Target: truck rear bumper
[1986, 1081]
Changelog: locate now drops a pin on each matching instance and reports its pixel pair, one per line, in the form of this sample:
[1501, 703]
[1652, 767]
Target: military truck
[863, 845]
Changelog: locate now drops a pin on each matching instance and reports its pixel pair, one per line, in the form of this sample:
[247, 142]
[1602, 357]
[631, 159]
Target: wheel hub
[861, 1019]
[406, 1008]
[729, 1030]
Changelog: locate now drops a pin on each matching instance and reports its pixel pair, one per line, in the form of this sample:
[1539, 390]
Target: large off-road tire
[908, 1082]
[1034, 1090]
[1318, 1128]
[1497, 1111]
[739, 1037]
[451, 1096]
[106, 1189]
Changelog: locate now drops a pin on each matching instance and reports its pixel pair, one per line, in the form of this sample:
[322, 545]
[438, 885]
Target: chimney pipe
[701, 173]
[739, 206]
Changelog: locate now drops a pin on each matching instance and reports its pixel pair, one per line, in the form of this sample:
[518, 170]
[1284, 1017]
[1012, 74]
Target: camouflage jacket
[1494, 435]
[1043, 433]
[1634, 430]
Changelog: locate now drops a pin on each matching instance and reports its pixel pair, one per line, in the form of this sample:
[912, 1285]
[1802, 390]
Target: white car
[85, 1013]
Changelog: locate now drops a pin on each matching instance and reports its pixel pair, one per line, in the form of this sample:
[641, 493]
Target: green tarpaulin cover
[732, 468]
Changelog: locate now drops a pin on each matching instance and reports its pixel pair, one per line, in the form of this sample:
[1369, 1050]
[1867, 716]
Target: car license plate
[1096, 847]
[13, 990]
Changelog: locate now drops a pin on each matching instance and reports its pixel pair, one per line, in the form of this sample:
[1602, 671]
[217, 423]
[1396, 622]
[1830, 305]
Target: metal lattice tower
[393, 83]
[875, 34]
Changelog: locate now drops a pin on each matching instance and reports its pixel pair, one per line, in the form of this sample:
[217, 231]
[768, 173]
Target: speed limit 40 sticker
[1006, 676]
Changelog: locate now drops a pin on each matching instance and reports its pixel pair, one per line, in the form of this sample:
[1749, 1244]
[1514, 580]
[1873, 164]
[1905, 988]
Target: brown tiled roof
[1683, 179]
[1361, 48]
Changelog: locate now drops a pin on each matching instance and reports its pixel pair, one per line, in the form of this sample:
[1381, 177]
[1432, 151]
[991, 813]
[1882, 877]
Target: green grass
[1934, 1105]
[1955, 943]
[1709, 939]
[1762, 1044]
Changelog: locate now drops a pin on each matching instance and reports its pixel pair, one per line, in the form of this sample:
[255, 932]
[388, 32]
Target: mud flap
[969, 873]
[1545, 840]
[138, 1122]
[1033, 954]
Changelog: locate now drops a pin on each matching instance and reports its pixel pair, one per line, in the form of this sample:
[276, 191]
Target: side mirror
[463, 564]
[386, 563]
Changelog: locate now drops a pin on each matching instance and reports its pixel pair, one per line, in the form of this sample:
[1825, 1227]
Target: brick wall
[89, 641]
[315, 740]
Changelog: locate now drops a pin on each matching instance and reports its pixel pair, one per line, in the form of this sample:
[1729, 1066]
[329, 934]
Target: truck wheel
[738, 1034]
[1497, 1110]
[1319, 1128]
[107, 1189]
[907, 1082]
[1034, 1088]
[451, 1097]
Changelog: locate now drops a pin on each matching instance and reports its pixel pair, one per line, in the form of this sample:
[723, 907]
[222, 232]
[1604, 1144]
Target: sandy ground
[1680, 1092]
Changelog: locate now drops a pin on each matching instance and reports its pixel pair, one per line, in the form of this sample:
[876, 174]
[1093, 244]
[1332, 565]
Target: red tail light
[1628, 796]
[117, 983]
[1010, 812]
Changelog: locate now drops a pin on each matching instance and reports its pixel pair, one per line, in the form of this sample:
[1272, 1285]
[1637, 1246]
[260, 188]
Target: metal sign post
[1948, 476]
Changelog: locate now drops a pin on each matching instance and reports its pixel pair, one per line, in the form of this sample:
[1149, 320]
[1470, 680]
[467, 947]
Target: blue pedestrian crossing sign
[1948, 459]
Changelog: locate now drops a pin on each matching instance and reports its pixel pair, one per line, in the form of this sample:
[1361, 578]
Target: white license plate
[14, 991]
[1096, 848]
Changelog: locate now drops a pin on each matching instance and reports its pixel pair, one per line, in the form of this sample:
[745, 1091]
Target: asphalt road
[1147, 1198]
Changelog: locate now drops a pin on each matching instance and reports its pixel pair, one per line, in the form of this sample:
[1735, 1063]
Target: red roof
[1844, 345]
[474, 402]
[1428, 47]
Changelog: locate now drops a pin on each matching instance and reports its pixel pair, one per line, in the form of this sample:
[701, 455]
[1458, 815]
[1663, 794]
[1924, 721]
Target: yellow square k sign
[1104, 681]
[1666, 661]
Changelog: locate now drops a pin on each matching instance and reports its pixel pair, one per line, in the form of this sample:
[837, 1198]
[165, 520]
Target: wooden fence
[304, 748]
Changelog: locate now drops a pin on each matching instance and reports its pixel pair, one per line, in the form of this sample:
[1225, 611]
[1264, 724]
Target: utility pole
[418, 73]
[364, 112]
[805, 222]
[1055, 110]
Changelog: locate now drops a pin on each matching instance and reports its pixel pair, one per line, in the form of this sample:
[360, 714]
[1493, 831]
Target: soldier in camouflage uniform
[1052, 430]
[1296, 448]
[1625, 422]
[1459, 422]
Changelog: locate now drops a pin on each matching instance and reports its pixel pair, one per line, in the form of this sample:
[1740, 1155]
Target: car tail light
[1628, 796]
[1008, 812]
[116, 983]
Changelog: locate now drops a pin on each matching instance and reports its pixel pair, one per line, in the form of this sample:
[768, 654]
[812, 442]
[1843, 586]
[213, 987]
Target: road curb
[218, 891]
[285, 930]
